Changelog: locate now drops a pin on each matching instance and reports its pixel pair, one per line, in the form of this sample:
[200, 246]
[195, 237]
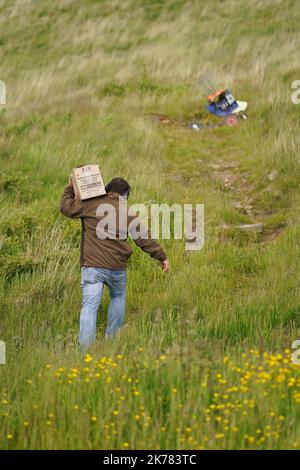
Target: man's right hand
[165, 266]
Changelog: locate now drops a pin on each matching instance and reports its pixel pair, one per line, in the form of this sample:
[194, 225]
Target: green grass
[81, 80]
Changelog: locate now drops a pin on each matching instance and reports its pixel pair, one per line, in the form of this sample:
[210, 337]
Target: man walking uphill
[103, 260]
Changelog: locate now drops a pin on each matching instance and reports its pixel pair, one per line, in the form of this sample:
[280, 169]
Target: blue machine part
[221, 108]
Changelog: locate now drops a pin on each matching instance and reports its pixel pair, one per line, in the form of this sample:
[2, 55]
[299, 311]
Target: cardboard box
[88, 182]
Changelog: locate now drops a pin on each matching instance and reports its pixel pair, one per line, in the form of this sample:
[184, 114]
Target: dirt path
[230, 178]
[237, 182]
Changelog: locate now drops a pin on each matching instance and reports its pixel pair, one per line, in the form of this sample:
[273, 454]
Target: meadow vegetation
[204, 360]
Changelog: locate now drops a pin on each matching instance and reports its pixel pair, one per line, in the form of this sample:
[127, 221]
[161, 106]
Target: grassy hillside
[204, 359]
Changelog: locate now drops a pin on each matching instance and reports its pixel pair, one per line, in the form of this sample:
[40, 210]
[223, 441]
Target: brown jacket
[110, 253]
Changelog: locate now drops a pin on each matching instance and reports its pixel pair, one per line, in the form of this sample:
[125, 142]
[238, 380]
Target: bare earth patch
[233, 179]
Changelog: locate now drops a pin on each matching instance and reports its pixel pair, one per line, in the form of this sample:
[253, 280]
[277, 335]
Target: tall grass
[82, 80]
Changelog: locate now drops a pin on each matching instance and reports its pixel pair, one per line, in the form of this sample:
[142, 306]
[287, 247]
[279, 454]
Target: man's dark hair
[118, 185]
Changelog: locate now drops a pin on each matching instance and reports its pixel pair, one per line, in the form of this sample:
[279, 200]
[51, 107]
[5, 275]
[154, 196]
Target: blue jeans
[92, 282]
